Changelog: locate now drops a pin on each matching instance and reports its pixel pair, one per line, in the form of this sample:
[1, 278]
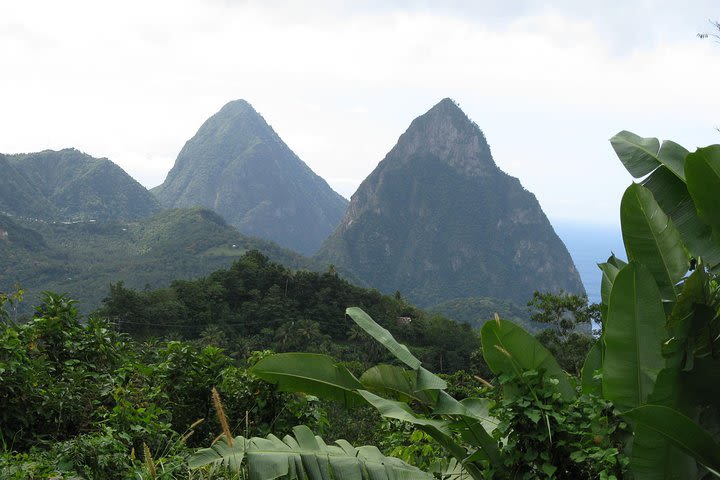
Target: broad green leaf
[475, 408]
[437, 429]
[509, 349]
[304, 456]
[220, 454]
[653, 457]
[609, 271]
[310, 373]
[637, 154]
[686, 322]
[426, 380]
[401, 411]
[673, 197]
[681, 431]
[672, 156]
[651, 239]
[473, 421]
[702, 171]
[396, 381]
[634, 332]
[383, 336]
[593, 362]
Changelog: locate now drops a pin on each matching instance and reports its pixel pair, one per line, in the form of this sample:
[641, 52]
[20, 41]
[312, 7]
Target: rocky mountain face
[438, 220]
[68, 185]
[239, 167]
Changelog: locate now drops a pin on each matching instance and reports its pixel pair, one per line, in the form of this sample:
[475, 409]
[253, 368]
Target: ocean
[589, 245]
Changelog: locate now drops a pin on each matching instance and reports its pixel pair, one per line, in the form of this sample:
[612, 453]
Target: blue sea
[589, 245]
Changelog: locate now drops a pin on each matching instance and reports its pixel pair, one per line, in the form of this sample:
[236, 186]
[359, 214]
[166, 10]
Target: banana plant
[658, 356]
[303, 456]
[413, 394]
[410, 393]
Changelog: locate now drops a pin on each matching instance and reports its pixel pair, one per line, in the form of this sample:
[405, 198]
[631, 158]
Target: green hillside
[68, 185]
[239, 167]
[83, 258]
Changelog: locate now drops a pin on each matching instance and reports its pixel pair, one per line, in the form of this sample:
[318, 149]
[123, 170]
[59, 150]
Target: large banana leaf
[702, 171]
[383, 336]
[653, 457]
[638, 154]
[641, 156]
[673, 156]
[310, 373]
[304, 456]
[634, 333]
[609, 271]
[426, 380]
[396, 381]
[671, 193]
[593, 362]
[509, 349]
[473, 421]
[681, 431]
[651, 239]
[439, 430]
[401, 411]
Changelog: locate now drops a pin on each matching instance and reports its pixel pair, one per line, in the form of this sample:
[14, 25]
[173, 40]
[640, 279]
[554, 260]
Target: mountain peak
[446, 132]
[447, 105]
[238, 106]
[239, 167]
[437, 219]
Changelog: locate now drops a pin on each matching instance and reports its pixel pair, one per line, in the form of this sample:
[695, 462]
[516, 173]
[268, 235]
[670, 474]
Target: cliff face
[437, 219]
[239, 167]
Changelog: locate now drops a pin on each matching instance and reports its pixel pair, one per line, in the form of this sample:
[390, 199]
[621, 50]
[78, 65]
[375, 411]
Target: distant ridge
[239, 167]
[83, 258]
[70, 185]
[438, 220]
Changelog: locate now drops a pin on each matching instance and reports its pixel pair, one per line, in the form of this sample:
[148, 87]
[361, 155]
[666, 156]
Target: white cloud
[134, 80]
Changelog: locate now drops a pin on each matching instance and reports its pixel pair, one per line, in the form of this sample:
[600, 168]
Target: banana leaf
[634, 333]
[509, 349]
[651, 239]
[310, 373]
[702, 170]
[304, 456]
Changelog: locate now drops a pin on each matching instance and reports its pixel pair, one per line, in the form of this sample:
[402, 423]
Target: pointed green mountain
[68, 185]
[239, 167]
[438, 220]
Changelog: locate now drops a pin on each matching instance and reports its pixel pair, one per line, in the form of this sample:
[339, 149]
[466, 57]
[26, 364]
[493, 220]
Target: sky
[549, 82]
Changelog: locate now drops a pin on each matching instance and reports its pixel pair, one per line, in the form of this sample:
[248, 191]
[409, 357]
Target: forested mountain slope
[239, 167]
[438, 220]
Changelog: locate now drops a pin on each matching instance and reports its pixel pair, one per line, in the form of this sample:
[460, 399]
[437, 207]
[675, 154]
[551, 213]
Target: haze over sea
[589, 245]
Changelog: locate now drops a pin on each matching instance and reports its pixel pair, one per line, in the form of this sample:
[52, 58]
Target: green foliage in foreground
[657, 358]
[80, 399]
[303, 455]
[258, 304]
[532, 425]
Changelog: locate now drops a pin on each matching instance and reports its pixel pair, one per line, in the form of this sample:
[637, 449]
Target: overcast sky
[548, 82]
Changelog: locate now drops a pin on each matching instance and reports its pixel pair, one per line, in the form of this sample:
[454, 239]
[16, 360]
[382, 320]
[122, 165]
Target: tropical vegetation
[178, 382]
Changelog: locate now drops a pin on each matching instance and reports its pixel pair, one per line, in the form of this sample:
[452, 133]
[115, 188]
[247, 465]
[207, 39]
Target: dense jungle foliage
[258, 304]
[645, 406]
[105, 398]
[109, 395]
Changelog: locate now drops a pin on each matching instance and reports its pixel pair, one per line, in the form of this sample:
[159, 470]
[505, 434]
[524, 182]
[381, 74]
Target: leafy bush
[545, 436]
